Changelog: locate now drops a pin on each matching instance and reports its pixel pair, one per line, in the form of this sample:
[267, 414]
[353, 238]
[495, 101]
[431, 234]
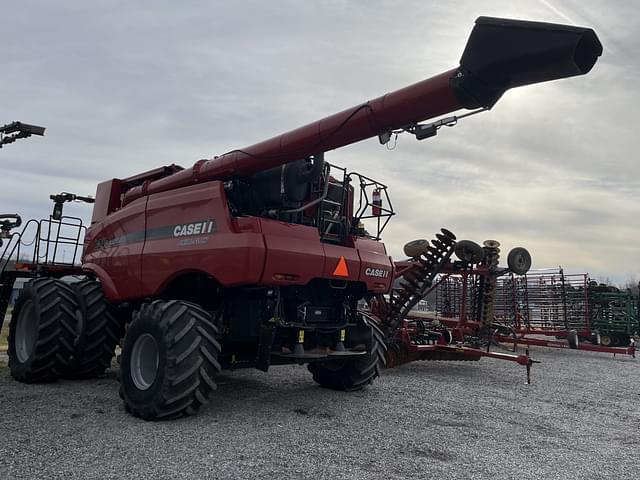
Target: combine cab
[260, 256]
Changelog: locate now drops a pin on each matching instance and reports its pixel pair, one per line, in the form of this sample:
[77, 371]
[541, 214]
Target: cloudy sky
[126, 86]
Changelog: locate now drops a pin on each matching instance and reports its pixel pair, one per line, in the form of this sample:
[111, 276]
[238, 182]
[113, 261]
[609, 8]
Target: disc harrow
[410, 337]
[489, 282]
[426, 262]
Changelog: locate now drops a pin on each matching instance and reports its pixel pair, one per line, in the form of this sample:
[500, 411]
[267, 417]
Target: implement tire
[606, 339]
[356, 373]
[169, 360]
[42, 331]
[98, 332]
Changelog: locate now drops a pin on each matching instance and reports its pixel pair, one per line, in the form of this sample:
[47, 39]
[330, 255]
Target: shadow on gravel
[435, 370]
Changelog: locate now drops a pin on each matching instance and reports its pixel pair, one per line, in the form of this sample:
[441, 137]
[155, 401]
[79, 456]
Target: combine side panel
[190, 230]
[113, 251]
[376, 269]
[294, 253]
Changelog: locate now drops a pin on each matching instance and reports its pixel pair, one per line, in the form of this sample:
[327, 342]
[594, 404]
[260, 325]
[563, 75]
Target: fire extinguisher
[377, 203]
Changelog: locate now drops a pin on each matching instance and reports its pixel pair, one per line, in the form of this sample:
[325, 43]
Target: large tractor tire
[98, 332]
[42, 331]
[169, 360]
[356, 373]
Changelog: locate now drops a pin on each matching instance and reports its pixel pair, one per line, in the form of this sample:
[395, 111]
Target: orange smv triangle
[341, 269]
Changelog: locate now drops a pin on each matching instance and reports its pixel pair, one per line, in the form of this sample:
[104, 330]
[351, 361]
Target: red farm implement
[543, 308]
[574, 310]
[465, 327]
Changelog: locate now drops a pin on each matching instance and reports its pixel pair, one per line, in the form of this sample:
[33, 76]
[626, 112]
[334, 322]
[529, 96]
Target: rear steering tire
[356, 373]
[169, 360]
[42, 331]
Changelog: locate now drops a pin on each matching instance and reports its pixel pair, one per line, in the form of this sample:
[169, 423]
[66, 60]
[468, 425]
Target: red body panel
[138, 250]
[332, 257]
[231, 257]
[107, 199]
[293, 252]
[113, 251]
[373, 255]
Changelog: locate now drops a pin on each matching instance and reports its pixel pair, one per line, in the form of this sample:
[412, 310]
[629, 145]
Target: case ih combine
[258, 257]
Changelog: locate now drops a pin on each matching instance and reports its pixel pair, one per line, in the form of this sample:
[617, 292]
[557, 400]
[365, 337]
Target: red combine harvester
[260, 257]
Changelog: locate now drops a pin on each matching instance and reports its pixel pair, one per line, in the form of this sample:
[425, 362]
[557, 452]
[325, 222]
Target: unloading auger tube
[500, 54]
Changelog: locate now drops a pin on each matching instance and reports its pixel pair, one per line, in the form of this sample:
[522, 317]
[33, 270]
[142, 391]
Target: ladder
[332, 222]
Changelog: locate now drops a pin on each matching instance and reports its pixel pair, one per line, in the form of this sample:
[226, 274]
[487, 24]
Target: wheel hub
[144, 361]
[26, 332]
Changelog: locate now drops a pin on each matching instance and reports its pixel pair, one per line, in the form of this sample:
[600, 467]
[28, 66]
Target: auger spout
[500, 54]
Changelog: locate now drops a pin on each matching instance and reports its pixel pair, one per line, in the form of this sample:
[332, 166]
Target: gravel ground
[463, 420]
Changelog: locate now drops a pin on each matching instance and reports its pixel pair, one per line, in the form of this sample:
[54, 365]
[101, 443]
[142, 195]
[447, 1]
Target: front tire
[169, 360]
[353, 374]
[42, 331]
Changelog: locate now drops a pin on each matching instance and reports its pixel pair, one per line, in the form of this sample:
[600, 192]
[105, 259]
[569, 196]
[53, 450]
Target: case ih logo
[162, 233]
[376, 272]
[198, 228]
